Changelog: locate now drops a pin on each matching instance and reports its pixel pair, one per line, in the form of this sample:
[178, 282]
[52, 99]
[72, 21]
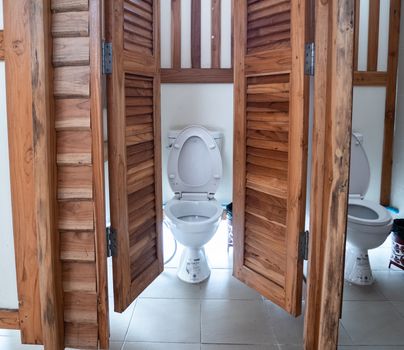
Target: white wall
[210, 105]
[8, 286]
[398, 157]
[369, 102]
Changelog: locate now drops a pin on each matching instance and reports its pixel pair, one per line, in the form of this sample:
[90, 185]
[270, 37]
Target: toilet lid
[194, 162]
[360, 169]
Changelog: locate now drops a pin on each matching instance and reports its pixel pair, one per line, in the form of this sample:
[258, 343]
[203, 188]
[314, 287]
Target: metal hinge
[309, 61]
[106, 58]
[111, 241]
[304, 245]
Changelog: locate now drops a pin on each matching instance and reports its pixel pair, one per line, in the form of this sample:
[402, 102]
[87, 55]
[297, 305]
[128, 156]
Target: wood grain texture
[79, 276]
[216, 33]
[70, 24]
[77, 246]
[2, 55]
[370, 78]
[196, 33]
[9, 319]
[72, 114]
[71, 51]
[391, 92]
[356, 42]
[17, 44]
[197, 76]
[81, 335]
[44, 158]
[134, 160]
[373, 34]
[69, 5]
[176, 34]
[97, 100]
[270, 146]
[72, 81]
[330, 171]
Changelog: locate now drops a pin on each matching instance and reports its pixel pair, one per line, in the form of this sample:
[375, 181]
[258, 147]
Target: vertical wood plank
[176, 33]
[17, 43]
[239, 156]
[44, 152]
[356, 42]
[391, 91]
[330, 171]
[96, 106]
[196, 33]
[298, 126]
[373, 34]
[1, 45]
[216, 33]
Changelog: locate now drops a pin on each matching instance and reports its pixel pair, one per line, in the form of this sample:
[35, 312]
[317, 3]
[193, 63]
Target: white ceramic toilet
[369, 223]
[194, 172]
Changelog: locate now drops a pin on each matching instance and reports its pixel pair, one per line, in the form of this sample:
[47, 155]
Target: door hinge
[106, 58]
[304, 245]
[310, 57]
[111, 241]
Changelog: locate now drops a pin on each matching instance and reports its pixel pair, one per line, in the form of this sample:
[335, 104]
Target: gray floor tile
[343, 336]
[115, 345]
[291, 347]
[372, 323]
[353, 292]
[165, 320]
[235, 322]
[119, 323]
[169, 286]
[238, 347]
[288, 329]
[399, 306]
[222, 285]
[390, 284]
[161, 346]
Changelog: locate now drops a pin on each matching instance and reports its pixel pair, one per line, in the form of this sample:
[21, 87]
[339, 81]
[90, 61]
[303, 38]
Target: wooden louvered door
[270, 147]
[134, 145]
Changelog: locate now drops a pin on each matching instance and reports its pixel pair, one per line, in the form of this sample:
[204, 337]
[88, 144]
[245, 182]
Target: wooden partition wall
[1, 45]
[196, 74]
[388, 79]
[76, 34]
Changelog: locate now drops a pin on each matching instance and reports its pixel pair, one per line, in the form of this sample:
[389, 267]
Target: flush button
[176, 146]
[212, 146]
[217, 177]
[172, 177]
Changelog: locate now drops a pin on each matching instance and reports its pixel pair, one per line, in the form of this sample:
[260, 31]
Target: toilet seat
[381, 215]
[193, 216]
[195, 164]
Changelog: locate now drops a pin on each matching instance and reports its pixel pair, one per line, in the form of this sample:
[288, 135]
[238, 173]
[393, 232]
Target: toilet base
[357, 267]
[193, 267]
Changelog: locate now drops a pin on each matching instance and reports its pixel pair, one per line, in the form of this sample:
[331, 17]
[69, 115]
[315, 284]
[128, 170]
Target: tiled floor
[224, 314]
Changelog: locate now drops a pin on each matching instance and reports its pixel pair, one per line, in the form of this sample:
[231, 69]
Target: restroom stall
[270, 150]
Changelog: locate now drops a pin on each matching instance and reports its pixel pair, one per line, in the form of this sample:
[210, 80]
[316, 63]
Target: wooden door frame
[330, 171]
[27, 47]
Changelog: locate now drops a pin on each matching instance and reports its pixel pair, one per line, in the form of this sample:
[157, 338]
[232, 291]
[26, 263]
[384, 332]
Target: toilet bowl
[193, 215]
[368, 224]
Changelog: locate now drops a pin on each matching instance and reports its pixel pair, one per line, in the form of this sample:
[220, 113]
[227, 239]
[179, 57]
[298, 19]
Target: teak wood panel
[17, 44]
[391, 96]
[76, 32]
[134, 154]
[330, 172]
[270, 147]
[9, 319]
[1, 45]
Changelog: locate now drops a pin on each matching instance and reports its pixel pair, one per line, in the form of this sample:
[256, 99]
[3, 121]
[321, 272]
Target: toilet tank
[217, 135]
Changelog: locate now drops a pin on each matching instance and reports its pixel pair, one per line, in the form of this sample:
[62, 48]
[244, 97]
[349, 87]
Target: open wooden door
[270, 152]
[134, 145]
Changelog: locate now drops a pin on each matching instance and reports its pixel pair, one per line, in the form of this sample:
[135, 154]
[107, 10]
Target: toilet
[194, 173]
[369, 223]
